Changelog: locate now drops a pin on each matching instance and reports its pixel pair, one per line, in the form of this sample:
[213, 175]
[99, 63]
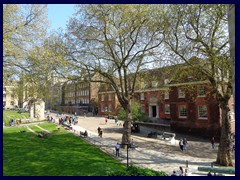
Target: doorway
[154, 111]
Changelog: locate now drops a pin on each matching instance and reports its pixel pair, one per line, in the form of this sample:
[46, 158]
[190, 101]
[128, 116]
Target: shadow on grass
[25, 154]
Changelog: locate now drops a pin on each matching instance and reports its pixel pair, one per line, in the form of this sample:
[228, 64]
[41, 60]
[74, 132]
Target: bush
[137, 115]
[137, 171]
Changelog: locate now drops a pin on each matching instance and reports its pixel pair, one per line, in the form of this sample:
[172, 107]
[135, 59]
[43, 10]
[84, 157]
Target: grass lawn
[61, 154]
[12, 114]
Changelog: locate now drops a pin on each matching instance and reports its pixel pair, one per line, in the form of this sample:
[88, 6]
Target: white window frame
[179, 111]
[200, 90]
[181, 93]
[200, 117]
[167, 106]
[142, 96]
[166, 95]
[102, 97]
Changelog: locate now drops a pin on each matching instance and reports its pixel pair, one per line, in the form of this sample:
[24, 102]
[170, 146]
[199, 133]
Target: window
[142, 96]
[142, 109]
[102, 97]
[182, 111]
[181, 93]
[12, 103]
[202, 112]
[201, 91]
[102, 108]
[109, 97]
[167, 108]
[109, 108]
[166, 95]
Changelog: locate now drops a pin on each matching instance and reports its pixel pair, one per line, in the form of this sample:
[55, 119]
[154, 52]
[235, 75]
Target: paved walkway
[150, 153]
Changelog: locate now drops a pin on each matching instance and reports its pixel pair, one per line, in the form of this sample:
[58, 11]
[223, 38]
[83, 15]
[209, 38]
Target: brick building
[185, 101]
[79, 96]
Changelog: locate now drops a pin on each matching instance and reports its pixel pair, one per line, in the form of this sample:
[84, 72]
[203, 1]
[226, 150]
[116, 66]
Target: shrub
[137, 115]
[137, 171]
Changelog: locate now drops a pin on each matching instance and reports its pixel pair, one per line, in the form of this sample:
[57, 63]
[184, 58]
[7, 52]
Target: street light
[128, 146]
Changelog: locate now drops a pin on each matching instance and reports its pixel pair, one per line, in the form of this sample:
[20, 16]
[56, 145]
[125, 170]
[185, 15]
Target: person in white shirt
[117, 149]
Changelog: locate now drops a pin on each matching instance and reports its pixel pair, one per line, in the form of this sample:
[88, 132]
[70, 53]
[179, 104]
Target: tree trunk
[126, 137]
[224, 156]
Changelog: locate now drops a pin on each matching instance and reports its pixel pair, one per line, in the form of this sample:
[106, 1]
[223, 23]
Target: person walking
[100, 133]
[213, 142]
[98, 129]
[185, 143]
[181, 144]
[117, 147]
[180, 171]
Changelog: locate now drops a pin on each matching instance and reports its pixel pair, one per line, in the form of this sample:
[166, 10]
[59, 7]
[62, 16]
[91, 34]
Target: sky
[59, 14]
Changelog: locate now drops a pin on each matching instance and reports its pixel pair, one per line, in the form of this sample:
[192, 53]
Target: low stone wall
[158, 127]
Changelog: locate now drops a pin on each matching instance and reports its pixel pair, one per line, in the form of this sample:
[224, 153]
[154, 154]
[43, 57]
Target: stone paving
[150, 153]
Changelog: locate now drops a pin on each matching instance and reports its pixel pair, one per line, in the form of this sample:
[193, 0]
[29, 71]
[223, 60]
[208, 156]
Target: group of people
[180, 172]
[67, 119]
[183, 144]
[14, 122]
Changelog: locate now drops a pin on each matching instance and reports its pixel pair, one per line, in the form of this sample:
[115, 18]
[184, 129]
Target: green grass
[25, 154]
[12, 114]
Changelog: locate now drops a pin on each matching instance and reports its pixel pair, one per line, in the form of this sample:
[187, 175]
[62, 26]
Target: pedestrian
[181, 144]
[100, 133]
[213, 142]
[180, 171]
[117, 149]
[185, 143]
[174, 173]
[209, 173]
[106, 120]
[98, 129]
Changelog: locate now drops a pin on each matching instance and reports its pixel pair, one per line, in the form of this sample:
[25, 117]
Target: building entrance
[154, 111]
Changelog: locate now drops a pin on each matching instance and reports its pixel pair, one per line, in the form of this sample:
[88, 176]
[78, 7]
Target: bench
[83, 134]
[168, 136]
[223, 170]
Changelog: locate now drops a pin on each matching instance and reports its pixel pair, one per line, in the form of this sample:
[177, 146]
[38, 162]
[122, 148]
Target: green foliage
[137, 115]
[137, 171]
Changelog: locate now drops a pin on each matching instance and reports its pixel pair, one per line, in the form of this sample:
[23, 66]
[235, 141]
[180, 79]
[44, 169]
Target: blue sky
[59, 14]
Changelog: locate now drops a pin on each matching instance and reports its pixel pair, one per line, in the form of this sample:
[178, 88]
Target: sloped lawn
[25, 154]
[12, 114]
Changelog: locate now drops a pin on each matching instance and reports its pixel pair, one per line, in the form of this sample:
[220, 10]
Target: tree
[115, 41]
[24, 26]
[200, 31]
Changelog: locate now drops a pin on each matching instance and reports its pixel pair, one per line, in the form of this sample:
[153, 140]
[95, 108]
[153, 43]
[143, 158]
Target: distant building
[79, 96]
[10, 100]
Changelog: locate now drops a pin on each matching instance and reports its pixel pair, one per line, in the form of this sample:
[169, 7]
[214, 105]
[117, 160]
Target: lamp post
[128, 146]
